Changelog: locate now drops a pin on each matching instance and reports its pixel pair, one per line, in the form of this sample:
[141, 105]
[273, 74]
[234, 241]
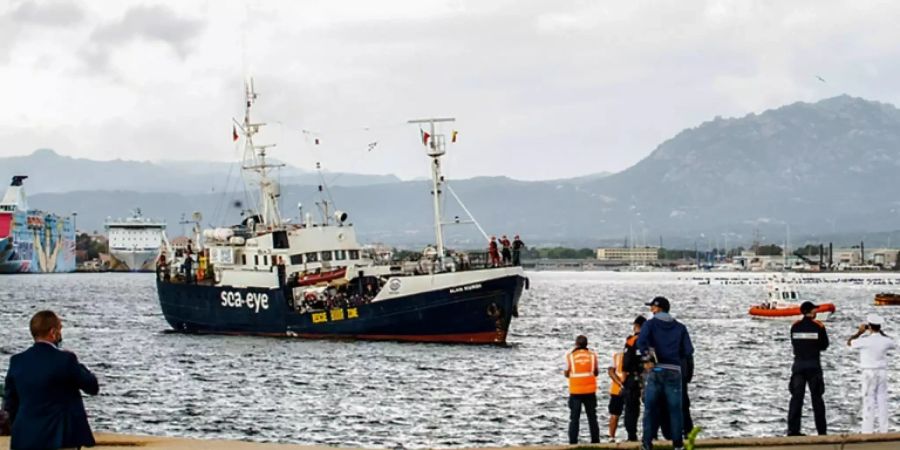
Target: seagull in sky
[820, 78]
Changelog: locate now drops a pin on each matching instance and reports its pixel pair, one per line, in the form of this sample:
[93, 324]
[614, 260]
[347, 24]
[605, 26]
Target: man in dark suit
[42, 391]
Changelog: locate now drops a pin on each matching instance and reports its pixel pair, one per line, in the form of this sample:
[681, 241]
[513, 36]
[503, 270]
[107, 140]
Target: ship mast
[436, 148]
[255, 161]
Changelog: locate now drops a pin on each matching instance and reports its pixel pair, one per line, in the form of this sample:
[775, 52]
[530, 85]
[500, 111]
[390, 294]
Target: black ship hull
[477, 313]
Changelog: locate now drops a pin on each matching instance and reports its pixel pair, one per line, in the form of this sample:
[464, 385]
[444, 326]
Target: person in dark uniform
[517, 247]
[809, 339]
[631, 362]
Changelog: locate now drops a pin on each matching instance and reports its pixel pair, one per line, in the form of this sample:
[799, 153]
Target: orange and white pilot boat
[785, 304]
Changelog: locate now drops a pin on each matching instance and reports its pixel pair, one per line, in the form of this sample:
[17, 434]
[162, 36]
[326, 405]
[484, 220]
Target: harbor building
[628, 254]
[885, 257]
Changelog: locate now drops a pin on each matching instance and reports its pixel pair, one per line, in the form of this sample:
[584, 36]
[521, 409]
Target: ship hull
[134, 261]
[479, 315]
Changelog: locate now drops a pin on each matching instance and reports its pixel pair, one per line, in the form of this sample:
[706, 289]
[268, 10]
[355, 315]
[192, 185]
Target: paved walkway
[891, 441]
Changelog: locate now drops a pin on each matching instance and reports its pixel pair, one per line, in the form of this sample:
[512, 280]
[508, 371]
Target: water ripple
[425, 395]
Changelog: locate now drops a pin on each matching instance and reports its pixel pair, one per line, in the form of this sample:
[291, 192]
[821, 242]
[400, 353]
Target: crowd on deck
[316, 299]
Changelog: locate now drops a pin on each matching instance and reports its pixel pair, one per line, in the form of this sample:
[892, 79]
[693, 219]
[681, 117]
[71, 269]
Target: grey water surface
[384, 394]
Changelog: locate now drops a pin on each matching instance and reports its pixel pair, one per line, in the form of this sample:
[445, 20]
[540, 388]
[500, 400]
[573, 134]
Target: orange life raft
[787, 311]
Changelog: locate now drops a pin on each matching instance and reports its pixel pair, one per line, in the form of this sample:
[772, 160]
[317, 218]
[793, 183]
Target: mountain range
[49, 171]
[804, 169]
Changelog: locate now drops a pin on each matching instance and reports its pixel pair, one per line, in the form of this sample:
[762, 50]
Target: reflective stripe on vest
[582, 363]
[618, 361]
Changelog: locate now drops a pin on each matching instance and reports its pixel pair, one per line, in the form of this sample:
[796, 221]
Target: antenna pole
[255, 160]
[436, 149]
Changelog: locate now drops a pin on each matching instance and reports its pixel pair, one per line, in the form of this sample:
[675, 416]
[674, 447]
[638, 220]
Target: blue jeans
[663, 384]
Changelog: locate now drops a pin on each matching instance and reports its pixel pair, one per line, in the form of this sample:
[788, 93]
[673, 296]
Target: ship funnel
[340, 216]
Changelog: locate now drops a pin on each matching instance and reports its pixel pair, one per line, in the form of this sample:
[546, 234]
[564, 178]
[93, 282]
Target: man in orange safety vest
[582, 371]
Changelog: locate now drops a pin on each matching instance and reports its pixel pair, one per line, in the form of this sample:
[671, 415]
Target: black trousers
[801, 377]
[589, 401]
[632, 393]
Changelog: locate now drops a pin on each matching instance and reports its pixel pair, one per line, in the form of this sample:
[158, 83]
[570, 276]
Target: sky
[539, 90]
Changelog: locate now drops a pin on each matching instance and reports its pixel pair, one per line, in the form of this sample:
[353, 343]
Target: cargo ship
[33, 241]
[269, 276]
[134, 242]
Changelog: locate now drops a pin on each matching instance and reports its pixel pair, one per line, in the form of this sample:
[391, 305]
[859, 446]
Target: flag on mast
[453, 136]
[425, 137]
[234, 135]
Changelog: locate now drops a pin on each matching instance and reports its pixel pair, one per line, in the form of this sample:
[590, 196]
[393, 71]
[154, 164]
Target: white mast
[436, 149]
[255, 160]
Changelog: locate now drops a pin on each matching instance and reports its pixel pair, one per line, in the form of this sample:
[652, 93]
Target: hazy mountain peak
[45, 153]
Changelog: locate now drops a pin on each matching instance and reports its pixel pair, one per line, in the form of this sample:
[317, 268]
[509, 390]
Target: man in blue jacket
[665, 346]
[42, 395]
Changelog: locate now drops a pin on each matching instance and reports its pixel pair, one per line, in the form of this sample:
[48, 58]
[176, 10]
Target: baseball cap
[661, 302]
[874, 319]
[807, 307]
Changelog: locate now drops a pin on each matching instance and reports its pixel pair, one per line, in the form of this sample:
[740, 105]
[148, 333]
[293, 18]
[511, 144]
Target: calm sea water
[416, 395]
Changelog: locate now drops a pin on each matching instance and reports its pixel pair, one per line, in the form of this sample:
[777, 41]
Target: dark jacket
[668, 338]
[43, 399]
[631, 360]
[809, 339]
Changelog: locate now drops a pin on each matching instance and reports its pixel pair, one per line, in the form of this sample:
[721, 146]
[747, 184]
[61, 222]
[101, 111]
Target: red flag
[425, 137]
[234, 135]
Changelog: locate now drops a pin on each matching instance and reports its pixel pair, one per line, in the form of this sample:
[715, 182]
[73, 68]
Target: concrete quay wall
[107, 441]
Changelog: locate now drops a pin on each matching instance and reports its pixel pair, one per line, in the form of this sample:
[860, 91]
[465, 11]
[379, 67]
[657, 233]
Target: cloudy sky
[540, 89]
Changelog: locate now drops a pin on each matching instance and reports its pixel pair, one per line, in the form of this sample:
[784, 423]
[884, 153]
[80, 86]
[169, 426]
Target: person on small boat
[808, 339]
[873, 346]
[582, 370]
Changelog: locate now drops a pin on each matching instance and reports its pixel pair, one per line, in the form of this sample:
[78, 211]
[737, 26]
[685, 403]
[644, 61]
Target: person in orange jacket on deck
[582, 371]
[494, 252]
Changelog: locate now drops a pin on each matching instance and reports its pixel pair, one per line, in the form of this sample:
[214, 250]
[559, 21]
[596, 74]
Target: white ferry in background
[135, 242]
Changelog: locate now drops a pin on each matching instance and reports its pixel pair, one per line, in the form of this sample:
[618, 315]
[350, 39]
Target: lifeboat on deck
[887, 299]
[322, 277]
[784, 303]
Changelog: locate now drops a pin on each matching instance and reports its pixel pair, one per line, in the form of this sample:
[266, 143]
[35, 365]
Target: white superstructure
[135, 242]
